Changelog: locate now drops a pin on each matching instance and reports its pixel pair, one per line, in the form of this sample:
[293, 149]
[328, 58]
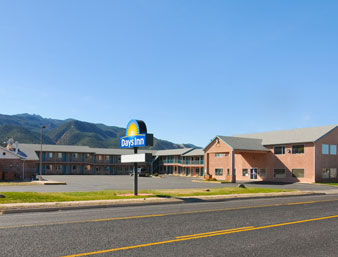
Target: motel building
[180, 162]
[298, 155]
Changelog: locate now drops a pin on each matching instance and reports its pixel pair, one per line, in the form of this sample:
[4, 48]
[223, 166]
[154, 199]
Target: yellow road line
[214, 232]
[165, 214]
[201, 235]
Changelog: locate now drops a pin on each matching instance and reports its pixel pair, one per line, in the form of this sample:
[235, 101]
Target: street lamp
[42, 127]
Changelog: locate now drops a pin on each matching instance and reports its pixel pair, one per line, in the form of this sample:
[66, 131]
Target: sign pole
[135, 174]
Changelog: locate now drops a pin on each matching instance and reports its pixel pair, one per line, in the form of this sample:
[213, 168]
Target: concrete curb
[57, 206]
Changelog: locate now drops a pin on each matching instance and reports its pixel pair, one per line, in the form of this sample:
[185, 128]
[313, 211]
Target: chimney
[16, 147]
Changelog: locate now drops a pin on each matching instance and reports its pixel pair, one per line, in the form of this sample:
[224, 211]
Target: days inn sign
[136, 135]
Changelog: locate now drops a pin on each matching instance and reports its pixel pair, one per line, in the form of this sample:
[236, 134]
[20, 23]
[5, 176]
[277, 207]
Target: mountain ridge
[26, 128]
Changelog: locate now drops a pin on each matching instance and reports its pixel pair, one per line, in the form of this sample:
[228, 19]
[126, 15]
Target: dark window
[218, 172]
[279, 173]
[298, 173]
[262, 173]
[296, 149]
[279, 150]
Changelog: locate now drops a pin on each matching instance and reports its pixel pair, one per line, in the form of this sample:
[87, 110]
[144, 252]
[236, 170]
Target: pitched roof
[57, 148]
[241, 143]
[194, 152]
[300, 135]
[13, 154]
[179, 151]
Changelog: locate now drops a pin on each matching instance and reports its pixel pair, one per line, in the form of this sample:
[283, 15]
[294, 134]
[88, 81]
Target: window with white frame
[333, 172]
[245, 172]
[333, 149]
[217, 155]
[50, 155]
[325, 149]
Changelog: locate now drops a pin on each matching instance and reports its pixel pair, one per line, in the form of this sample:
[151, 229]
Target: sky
[190, 69]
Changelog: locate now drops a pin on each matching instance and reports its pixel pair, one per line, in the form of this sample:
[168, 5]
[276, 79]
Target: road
[293, 226]
[102, 182]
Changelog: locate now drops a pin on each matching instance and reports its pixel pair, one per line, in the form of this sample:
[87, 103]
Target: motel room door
[253, 174]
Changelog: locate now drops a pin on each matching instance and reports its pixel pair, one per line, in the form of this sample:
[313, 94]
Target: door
[253, 174]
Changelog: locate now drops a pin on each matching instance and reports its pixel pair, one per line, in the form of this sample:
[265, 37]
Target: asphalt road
[94, 183]
[293, 226]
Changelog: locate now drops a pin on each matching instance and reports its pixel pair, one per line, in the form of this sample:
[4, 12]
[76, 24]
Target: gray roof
[194, 152]
[291, 136]
[240, 143]
[179, 151]
[28, 152]
[58, 148]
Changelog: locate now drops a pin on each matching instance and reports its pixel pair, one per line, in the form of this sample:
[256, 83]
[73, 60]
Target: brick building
[297, 155]
[15, 165]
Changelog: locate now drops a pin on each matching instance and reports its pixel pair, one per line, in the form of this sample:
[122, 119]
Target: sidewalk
[55, 206]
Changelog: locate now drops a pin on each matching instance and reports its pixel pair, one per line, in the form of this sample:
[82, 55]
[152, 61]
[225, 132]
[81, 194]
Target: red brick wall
[326, 160]
[12, 169]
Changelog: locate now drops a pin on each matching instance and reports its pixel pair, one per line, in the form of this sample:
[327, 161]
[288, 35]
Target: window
[74, 167]
[228, 172]
[326, 173]
[296, 149]
[279, 150]
[262, 173]
[333, 149]
[279, 173]
[333, 173]
[57, 167]
[245, 172]
[217, 155]
[50, 155]
[48, 167]
[218, 172]
[107, 168]
[107, 158]
[75, 155]
[59, 155]
[325, 149]
[298, 173]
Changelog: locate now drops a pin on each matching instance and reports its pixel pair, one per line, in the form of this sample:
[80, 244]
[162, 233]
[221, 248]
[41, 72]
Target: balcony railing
[184, 162]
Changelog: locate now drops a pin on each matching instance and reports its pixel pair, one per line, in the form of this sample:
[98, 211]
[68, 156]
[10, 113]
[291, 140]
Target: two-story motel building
[299, 155]
[304, 155]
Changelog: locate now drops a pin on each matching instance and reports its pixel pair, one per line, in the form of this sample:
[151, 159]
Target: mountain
[25, 128]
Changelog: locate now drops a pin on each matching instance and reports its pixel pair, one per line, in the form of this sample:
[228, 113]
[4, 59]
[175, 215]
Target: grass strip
[35, 197]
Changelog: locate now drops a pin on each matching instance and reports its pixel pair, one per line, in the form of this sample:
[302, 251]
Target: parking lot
[95, 183]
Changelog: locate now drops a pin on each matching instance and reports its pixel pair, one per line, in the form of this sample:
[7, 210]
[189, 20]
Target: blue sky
[190, 69]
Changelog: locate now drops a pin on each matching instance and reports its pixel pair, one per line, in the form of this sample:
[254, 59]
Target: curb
[58, 206]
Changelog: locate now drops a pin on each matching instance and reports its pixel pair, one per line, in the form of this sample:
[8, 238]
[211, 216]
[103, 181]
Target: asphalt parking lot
[96, 183]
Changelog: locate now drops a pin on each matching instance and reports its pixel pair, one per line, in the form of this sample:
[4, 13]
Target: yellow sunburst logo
[132, 129]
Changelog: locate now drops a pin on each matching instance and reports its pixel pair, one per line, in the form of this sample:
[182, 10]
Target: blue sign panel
[133, 141]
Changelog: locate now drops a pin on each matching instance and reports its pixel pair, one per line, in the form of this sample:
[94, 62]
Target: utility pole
[40, 167]
[135, 174]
